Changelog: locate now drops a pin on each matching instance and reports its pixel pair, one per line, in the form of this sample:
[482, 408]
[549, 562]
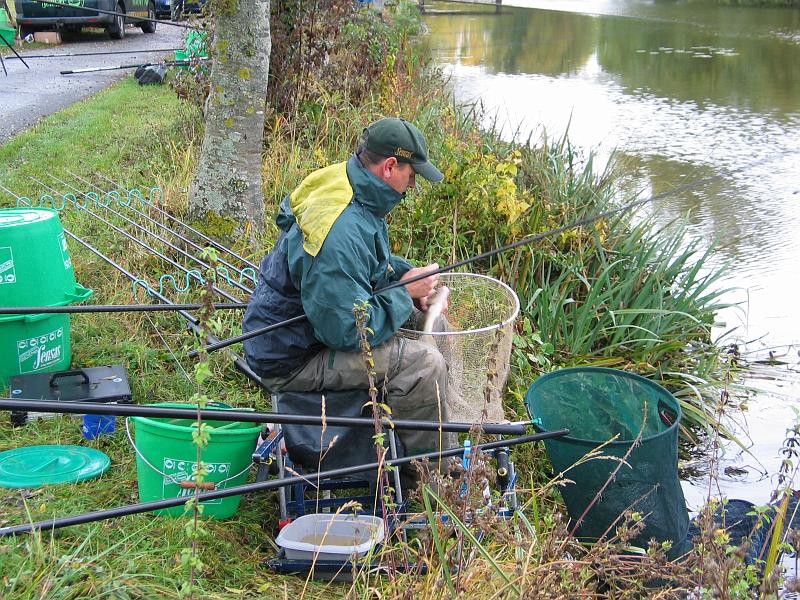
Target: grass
[117, 131]
[495, 192]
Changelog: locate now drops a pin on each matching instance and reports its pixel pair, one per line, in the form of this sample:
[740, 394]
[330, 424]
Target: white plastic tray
[325, 536]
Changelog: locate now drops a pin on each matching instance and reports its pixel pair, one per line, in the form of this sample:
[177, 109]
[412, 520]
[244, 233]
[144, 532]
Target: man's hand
[420, 290]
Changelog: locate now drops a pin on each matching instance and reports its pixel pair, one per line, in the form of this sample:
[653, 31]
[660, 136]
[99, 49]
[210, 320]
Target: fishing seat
[317, 448]
[309, 449]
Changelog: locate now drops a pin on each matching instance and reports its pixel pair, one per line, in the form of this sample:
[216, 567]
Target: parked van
[32, 15]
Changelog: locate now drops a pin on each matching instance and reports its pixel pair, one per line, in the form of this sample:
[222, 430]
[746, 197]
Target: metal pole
[112, 308]
[140, 227]
[188, 316]
[76, 54]
[134, 410]
[15, 54]
[202, 236]
[102, 515]
[133, 238]
[193, 321]
[168, 63]
[149, 219]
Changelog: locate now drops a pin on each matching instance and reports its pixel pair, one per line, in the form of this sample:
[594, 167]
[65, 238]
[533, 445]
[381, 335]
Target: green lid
[14, 217]
[35, 466]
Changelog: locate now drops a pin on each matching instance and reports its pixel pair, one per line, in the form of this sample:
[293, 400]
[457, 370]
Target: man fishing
[333, 252]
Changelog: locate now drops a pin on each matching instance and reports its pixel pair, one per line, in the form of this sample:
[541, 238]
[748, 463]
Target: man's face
[401, 177]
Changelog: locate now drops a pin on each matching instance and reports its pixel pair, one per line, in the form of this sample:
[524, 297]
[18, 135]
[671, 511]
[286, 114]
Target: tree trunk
[226, 194]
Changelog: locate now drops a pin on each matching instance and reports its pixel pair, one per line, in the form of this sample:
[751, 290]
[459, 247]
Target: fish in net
[475, 336]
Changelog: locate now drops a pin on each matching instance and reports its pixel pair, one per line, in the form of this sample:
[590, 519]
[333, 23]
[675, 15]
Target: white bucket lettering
[46, 357]
[39, 353]
[62, 242]
[7, 271]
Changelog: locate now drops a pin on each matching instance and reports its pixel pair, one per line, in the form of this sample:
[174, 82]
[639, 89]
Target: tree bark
[226, 194]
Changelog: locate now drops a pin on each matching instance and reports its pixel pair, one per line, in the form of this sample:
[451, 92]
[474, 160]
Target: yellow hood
[317, 203]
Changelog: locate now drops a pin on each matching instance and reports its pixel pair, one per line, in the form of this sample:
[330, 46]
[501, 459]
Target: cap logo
[403, 153]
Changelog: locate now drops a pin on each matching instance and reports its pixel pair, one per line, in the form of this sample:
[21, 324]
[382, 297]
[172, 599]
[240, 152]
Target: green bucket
[166, 455]
[8, 34]
[33, 344]
[35, 265]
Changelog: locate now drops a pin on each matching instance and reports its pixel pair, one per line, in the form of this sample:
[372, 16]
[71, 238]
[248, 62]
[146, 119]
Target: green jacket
[335, 250]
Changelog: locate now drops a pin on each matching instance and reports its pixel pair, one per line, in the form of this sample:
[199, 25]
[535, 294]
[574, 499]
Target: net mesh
[475, 339]
[597, 404]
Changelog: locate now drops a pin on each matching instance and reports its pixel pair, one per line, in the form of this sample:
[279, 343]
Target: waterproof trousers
[411, 377]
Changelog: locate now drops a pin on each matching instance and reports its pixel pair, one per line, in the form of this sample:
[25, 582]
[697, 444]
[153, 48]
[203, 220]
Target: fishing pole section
[165, 63]
[102, 515]
[232, 415]
[130, 202]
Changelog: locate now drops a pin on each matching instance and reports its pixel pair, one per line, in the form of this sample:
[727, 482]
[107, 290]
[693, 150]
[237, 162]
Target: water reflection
[672, 60]
[679, 98]
[695, 64]
[682, 91]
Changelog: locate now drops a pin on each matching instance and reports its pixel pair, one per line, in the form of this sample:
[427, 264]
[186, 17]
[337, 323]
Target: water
[323, 538]
[680, 91]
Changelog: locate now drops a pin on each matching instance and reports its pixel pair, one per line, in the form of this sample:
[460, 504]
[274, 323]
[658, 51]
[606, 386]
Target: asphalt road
[27, 95]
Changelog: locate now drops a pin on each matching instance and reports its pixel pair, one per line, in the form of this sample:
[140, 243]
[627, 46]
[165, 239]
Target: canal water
[680, 91]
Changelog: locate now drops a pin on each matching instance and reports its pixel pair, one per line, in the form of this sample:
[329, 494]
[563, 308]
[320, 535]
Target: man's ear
[389, 164]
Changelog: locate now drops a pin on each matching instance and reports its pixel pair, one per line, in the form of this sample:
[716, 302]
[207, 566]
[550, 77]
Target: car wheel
[150, 26]
[116, 31]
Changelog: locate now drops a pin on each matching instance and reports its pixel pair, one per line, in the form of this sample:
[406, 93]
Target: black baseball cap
[403, 140]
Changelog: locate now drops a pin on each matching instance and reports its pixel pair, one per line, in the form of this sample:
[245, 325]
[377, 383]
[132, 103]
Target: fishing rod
[194, 322]
[488, 254]
[138, 226]
[162, 226]
[141, 243]
[142, 507]
[74, 54]
[164, 213]
[113, 308]
[121, 14]
[167, 63]
[190, 412]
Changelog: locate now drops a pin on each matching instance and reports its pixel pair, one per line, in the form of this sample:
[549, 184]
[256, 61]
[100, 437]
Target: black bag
[150, 75]
[308, 446]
